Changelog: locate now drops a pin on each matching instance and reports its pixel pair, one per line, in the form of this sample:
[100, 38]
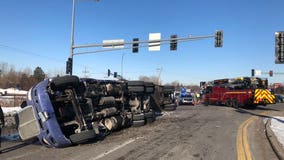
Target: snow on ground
[12, 91]
[277, 126]
[10, 110]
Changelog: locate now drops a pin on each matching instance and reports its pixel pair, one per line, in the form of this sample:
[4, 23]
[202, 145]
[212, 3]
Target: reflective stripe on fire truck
[263, 96]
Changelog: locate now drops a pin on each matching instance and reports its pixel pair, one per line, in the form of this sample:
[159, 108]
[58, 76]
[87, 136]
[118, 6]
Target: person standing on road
[1, 122]
[198, 97]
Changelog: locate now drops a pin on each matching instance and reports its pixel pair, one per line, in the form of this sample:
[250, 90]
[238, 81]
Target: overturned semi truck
[67, 110]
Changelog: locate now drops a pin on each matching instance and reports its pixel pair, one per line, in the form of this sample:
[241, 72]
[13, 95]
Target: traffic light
[252, 72]
[69, 66]
[279, 47]
[271, 73]
[135, 45]
[219, 39]
[108, 72]
[115, 74]
[173, 43]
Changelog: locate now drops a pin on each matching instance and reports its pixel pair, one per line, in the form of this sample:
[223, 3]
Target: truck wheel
[66, 81]
[228, 103]
[136, 89]
[206, 102]
[235, 103]
[150, 120]
[149, 87]
[135, 83]
[168, 88]
[138, 117]
[170, 107]
[82, 137]
[138, 123]
[150, 117]
[149, 114]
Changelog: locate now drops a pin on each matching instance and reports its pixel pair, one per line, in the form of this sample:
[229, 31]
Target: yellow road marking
[243, 148]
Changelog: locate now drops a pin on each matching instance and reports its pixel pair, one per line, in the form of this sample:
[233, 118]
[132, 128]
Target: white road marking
[114, 149]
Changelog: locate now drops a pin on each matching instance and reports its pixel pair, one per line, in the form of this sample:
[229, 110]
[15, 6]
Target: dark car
[279, 98]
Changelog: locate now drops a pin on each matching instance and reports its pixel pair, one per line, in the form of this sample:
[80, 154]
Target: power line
[30, 53]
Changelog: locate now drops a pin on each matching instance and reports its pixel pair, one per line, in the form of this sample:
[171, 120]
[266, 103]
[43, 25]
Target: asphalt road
[190, 132]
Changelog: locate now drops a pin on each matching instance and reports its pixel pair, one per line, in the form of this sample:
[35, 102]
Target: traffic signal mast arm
[162, 42]
[114, 45]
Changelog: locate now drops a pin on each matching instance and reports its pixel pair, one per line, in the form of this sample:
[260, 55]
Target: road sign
[154, 41]
[114, 43]
[257, 72]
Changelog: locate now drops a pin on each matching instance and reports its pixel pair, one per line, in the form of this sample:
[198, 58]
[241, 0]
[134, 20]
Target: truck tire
[136, 88]
[150, 120]
[170, 107]
[138, 117]
[82, 137]
[228, 103]
[149, 87]
[149, 114]
[135, 83]
[138, 123]
[168, 88]
[66, 81]
[150, 117]
[235, 103]
[206, 102]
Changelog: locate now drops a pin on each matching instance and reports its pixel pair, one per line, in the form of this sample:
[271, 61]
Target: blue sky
[37, 33]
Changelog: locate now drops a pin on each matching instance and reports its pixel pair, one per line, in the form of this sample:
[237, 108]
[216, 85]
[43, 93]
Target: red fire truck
[237, 92]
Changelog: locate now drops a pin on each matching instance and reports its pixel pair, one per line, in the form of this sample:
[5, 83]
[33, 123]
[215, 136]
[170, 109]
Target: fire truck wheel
[206, 102]
[228, 103]
[235, 103]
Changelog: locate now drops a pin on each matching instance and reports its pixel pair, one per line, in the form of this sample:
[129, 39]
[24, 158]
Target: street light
[122, 61]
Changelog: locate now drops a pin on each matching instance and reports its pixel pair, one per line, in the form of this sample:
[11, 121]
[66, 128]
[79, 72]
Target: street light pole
[122, 61]
[159, 77]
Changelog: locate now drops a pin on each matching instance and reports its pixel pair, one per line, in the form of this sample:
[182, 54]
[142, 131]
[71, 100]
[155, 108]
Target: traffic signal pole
[69, 63]
[134, 45]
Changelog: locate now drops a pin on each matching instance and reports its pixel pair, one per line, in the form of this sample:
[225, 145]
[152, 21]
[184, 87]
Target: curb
[276, 146]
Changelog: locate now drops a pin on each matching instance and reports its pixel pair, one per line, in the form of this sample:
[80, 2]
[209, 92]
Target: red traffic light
[271, 73]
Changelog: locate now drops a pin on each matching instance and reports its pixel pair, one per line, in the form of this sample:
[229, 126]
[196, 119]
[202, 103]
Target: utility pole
[159, 75]
[85, 71]
[122, 62]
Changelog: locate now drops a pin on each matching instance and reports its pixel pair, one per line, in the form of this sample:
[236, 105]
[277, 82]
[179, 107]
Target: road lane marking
[242, 142]
[115, 148]
[243, 148]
